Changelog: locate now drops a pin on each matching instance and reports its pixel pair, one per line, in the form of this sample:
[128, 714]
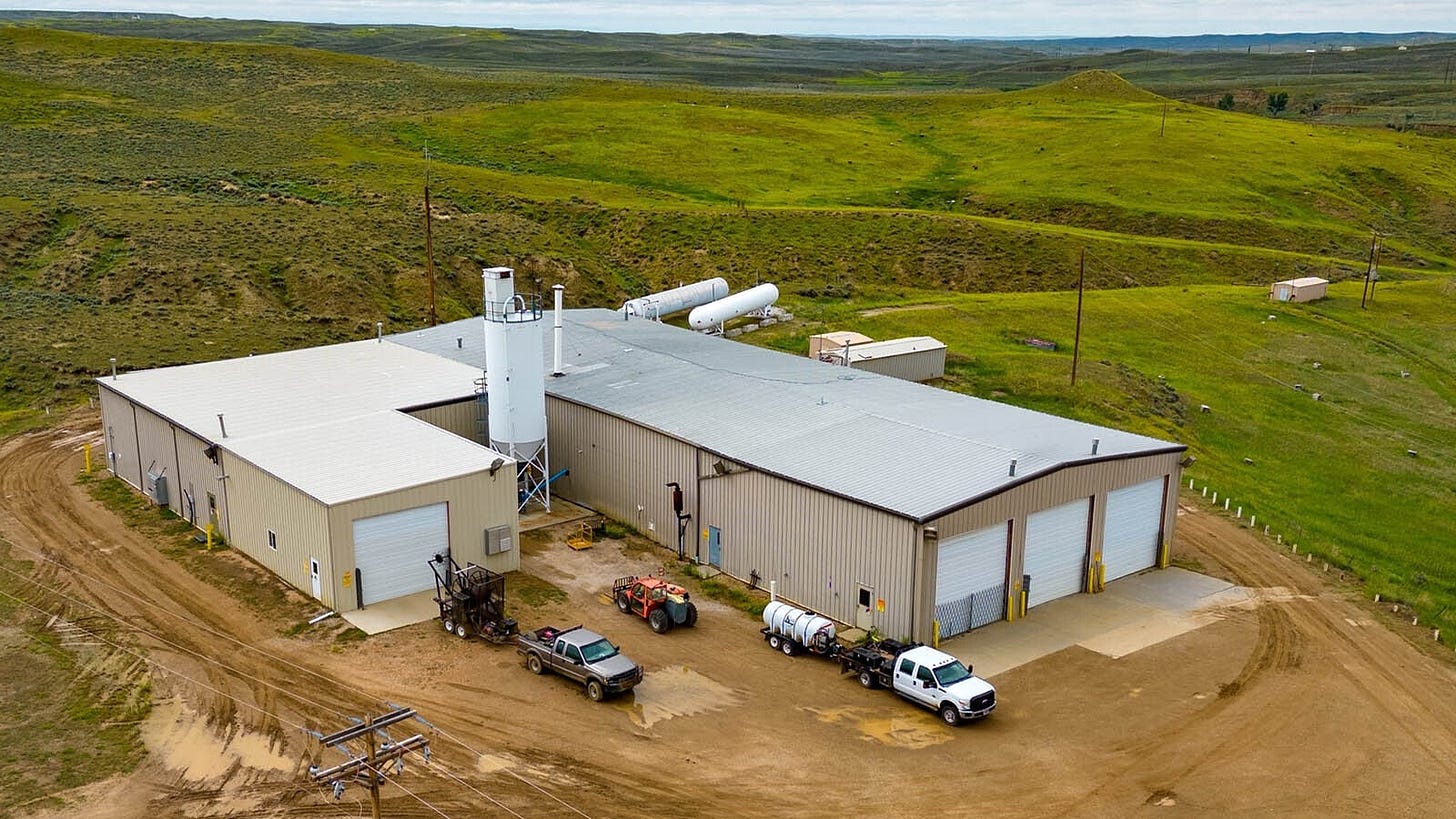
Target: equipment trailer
[472, 600]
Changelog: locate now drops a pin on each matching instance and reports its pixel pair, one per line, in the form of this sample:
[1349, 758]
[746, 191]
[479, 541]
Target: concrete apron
[396, 613]
[1133, 613]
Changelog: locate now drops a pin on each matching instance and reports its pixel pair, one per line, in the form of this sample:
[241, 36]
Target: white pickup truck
[922, 675]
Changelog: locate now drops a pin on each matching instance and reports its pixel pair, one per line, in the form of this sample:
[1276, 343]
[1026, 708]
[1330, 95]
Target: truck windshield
[600, 650]
[951, 673]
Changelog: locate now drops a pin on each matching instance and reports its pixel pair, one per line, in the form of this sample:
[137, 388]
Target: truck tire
[774, 641]
[595, 691]
[660, 621]
[867, 679]
[949, 714]
[622, 602]
[692, 616]
[789, 648]
[533, 663]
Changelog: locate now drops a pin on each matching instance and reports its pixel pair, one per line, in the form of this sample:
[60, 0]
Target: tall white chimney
[556, 371]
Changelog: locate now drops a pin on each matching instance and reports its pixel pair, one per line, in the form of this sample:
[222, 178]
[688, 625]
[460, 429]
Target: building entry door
[314, 579]
[864, 610]
[715, 556]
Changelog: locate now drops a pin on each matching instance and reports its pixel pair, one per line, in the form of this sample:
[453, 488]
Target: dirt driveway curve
[1301, 705]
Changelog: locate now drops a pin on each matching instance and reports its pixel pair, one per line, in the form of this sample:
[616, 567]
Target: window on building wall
[272, 540]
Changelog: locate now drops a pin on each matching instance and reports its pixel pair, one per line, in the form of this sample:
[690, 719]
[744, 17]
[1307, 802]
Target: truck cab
[943, 684]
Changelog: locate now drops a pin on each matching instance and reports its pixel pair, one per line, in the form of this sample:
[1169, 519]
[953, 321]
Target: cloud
[1027, 18]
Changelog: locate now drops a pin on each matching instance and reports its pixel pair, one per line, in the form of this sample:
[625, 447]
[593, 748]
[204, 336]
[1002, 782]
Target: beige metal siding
[818, 547]
[197, 475]
[1088, 480]
[261, 502]
[118, 424]
[158, 452]
[621, 469]
[921, 365]
[459, 418]
[476, 503]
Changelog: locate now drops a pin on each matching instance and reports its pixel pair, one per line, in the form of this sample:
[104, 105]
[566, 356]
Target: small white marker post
[1205, 491]
[1240, 514]
[1225, 504]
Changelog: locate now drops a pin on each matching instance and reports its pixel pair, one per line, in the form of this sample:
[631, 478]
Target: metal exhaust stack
[556, 370]
[221, 426]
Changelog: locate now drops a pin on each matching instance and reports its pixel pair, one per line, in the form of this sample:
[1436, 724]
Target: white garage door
[393, 551]
[970, 580]
[1130, 534]
[1056, 551]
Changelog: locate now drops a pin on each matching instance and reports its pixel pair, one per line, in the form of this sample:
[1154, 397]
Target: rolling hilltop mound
[263, 196]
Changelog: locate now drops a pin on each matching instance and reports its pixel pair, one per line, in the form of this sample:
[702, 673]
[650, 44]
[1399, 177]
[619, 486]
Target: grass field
[165, 202]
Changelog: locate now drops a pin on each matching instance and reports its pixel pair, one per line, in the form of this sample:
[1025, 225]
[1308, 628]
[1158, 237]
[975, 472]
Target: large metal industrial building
[879, 502]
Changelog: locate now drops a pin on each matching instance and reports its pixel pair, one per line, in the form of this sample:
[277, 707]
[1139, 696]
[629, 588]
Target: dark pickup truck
[581, 655]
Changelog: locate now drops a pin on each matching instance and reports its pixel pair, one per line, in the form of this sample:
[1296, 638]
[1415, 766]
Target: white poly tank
[744, 301]
[803, 627]
[676, 300]
[515, 380]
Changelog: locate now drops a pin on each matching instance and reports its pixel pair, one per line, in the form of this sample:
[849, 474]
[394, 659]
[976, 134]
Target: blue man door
[713, 551]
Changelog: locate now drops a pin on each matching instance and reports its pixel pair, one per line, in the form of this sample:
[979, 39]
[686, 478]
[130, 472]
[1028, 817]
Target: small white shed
[1307, 288]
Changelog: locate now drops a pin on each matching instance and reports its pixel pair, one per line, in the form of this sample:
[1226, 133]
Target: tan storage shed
[833, 342]
[1307, 288]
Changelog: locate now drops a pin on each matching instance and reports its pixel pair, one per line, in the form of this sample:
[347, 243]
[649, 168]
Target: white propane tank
[658, 305]
[804, 628]
[744, 301]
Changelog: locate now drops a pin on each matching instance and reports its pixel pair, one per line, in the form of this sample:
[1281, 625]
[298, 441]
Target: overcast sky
[946, 18]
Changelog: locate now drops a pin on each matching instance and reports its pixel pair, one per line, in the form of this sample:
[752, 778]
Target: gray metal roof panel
[907, 448]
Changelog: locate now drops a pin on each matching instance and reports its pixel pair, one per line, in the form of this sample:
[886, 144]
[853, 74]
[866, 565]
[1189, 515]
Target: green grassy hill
[165, 202]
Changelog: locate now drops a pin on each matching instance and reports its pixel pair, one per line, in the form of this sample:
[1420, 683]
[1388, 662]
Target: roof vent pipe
[1095, 442]
[379, 331]
[113, 368]
[556, 371]
[221, 425]
[1012, 471]
[460, 342]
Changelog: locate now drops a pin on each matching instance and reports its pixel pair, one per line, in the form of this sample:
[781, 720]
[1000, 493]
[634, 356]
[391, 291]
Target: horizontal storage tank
[803, 627]
[676, 300]
[725, 309]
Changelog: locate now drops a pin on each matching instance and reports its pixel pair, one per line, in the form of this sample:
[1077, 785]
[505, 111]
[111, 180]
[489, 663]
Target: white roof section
[324, 419]
[364, 456]
[909, 449]
[893, 347]
[1304, 281]
[842, 337]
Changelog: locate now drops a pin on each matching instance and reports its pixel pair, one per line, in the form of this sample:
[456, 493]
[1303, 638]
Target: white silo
[515, 381]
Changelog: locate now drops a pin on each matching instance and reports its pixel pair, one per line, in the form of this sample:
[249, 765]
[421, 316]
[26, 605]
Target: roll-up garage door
[1130, 533]
[393, 551]
[970, 580]
[1056, 551]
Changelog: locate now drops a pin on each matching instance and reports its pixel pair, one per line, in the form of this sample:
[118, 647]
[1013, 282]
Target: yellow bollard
[935, 634]
[86, 448]
[209, 537]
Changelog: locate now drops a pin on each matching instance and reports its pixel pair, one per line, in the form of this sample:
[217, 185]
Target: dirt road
[1302, 704]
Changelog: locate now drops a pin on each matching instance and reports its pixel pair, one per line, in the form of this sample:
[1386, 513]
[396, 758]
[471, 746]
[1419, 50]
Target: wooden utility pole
[429, 243]
[1077, 340]
[366, 769]
[1164, 126]
[1368, 291]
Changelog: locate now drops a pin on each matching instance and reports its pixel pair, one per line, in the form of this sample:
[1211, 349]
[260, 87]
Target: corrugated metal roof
[322, 418]
[348, 459]
[893, 347]
[909, 449]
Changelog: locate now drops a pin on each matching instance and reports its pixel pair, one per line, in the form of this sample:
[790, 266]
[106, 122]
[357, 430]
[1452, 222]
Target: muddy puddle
[175, 735]
[675, 691]
[908, 728]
